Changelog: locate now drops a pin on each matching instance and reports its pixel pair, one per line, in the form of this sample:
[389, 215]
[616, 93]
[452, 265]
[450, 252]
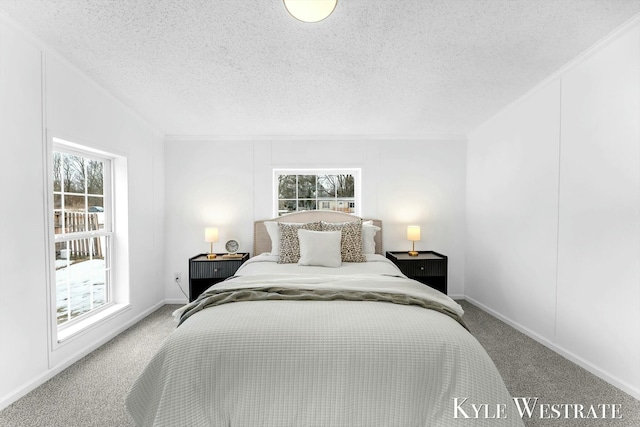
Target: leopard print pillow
[351, 241]
[289, 249]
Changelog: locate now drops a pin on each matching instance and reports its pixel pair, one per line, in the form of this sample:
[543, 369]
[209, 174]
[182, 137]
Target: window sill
[91, 322]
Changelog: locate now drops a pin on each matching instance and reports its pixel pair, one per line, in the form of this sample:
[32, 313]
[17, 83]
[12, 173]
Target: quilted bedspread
[306, 362]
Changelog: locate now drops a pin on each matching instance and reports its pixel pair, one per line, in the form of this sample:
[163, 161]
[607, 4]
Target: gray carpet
[530, 369]
[91, 392]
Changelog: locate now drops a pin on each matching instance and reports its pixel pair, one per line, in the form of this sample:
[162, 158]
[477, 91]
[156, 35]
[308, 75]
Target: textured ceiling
[246, 68]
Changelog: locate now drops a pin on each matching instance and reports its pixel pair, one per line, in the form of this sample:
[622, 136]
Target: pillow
[368, 237]
[320, 248]
[351, 241]
[289, 250]
[274, 235]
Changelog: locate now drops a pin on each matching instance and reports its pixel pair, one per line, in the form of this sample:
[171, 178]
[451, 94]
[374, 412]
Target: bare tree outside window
[82, 235]
[317, 191]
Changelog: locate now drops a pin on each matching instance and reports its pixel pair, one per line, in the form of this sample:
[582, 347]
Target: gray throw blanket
[214, 297]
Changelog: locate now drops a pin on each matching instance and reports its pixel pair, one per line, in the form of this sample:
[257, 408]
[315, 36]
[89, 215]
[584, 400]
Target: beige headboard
[262, 241]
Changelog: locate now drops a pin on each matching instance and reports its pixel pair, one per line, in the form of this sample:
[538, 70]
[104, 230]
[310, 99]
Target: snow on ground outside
[77, 285]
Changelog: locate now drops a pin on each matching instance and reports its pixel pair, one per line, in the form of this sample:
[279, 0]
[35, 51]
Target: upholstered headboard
[262, 241]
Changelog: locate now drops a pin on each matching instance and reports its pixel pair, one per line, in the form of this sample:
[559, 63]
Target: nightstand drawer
[425, 268]
[214, 269]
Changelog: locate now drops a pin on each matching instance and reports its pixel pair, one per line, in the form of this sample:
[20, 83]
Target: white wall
[599, 223]
[40, 94]
[553, 212]
[229, 184]
[512, 202]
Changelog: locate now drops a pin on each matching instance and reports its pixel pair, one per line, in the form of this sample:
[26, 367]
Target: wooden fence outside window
[75, 222]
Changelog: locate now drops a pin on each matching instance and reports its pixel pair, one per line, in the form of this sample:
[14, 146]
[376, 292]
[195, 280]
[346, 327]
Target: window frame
[61, 332]
[355, 172]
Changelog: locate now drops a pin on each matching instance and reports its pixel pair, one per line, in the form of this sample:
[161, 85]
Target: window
[81, 187]
[317, 189]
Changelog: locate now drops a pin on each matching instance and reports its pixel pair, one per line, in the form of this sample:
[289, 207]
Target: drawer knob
[422, 267]
[215, 269]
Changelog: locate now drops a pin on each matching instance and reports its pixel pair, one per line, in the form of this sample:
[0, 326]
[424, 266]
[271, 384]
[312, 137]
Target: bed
[300, 338]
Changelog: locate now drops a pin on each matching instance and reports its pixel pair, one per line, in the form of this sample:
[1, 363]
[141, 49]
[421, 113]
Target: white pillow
[274, 234]
[368, 237]
[320, 248]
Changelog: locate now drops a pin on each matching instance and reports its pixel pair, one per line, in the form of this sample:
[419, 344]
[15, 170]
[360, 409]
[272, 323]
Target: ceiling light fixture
[310, 10]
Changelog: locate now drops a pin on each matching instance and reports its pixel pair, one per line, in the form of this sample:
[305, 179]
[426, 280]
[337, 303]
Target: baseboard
[175, 301]
[616, 382]
[46, 376]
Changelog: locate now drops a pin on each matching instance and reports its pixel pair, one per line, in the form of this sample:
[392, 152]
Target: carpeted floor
[530, 369]
[91, 392]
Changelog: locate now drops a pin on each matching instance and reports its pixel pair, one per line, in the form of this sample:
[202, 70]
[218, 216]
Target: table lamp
[413, 234]
[211, 235]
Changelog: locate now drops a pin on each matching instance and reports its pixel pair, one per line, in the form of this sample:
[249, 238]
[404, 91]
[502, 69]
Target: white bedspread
[319, 363]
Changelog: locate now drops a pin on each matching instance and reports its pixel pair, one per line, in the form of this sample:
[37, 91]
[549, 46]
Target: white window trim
[64, 147]
[118, 261]
[356, 172]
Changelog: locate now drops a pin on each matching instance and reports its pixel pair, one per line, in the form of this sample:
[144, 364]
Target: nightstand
[204, 272]
[427, 267]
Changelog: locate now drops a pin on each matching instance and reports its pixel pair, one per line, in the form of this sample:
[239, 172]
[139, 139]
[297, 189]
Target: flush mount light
[310, 10]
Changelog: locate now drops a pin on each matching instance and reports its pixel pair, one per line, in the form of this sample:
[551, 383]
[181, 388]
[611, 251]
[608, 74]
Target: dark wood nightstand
[204, 272]
[427, 267]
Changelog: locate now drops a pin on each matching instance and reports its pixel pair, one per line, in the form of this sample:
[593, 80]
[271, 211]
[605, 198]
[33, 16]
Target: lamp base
[413, 253]
[211, 256]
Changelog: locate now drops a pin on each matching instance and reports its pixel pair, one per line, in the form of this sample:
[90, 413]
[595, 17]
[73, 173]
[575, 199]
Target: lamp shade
[413, 233]
[310, 10]
[211, 234]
